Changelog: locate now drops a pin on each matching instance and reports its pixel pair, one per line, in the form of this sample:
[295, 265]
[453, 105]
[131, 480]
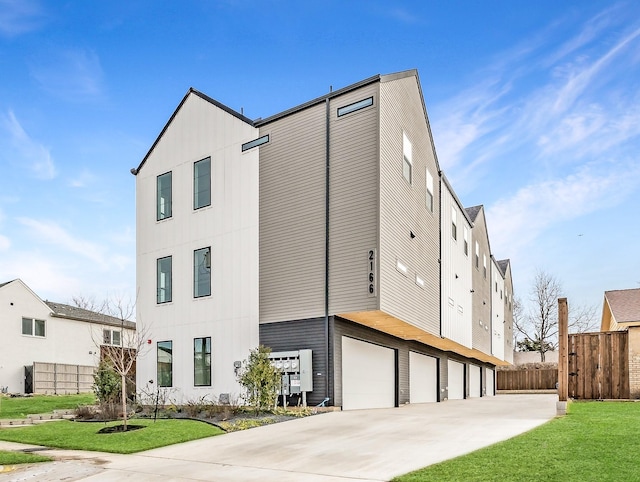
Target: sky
[534, 108]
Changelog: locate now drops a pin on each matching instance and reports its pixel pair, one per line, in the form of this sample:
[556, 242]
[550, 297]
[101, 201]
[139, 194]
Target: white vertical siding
[497, 310]
[229, 226]
[456, 273]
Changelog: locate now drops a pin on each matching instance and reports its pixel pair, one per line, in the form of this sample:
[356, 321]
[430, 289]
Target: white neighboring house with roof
[40, 331]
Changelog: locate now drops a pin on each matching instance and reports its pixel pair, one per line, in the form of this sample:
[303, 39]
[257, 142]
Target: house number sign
[371, 272]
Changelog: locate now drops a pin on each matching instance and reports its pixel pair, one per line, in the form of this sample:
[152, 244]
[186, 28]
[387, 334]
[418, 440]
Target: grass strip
[20, 407]
[66, 434]
[15, 458]
[596, 441]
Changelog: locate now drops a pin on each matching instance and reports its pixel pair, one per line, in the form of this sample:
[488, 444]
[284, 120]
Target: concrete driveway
[362, 445]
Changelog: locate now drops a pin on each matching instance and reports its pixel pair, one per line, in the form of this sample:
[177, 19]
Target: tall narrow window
[429, 191]
[484, 266]
[407, 158]
[165, 364]
[454, 223]
[477, 255]
[465, 233]
[164, 280]
[163, 200]
[201, 272]
[202, 183]
[202, 362]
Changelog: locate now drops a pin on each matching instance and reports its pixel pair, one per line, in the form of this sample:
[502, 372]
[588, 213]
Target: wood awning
[381, 321]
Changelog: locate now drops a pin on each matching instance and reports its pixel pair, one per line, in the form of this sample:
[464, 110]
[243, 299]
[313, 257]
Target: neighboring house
[621, 312]
[505, 268]
[37, 331]
[327, 227]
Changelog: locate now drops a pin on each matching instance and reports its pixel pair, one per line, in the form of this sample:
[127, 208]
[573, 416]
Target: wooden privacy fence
[61, 379]
[531, 379]
[598, 365]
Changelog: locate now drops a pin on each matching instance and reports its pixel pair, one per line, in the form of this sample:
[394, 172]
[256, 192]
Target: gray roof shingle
[73, 312]
[624, 304]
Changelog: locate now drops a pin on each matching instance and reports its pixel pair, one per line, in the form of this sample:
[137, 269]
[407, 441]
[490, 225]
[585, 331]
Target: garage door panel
[474, 381]
[368, 375]
[456, 380]
[423, 378]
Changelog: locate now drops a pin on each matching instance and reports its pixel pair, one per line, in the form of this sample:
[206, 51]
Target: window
[111, 337]
[407, 159]
[429, 191]
[419, 281]
[163, 204]
[484, 266]
[477, 255]
[202, 183]
[165, 364]
[361, 104]
[202, 362]
[201, 272]
[400, 266]
[255, 143]
[33, 327]
[465, 233]
[164, 280]
[454, 223]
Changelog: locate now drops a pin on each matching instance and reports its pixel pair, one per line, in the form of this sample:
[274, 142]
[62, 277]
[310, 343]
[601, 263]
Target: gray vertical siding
[353, 197]
[481, 300]
[292, 217]
[403, 210]
[301, 335]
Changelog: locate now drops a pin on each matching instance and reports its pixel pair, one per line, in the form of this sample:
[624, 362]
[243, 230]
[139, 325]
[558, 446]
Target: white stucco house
[34, 331]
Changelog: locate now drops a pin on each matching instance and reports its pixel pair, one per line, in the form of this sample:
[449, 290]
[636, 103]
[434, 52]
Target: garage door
[474, 381]
[456, 380]
[490, 391]
[368, 375]
[423, 378]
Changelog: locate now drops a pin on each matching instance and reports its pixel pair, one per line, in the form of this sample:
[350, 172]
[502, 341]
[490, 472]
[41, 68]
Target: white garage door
[368, 375]
[490, 391]
[474, 381]
[456, 380]
[423, 378]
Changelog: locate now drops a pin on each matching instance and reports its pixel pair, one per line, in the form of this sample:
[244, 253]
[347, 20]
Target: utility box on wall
[297, 371]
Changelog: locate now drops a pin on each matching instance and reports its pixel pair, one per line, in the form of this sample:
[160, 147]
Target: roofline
[456, 198]
[205, 97]
[122, 323]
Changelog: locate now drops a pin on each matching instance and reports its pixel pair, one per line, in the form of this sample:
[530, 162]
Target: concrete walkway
[362, 445]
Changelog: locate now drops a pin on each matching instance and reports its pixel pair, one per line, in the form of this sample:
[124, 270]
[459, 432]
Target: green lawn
[14, 458]
[66, 434]
[20, 407]
[596, 441]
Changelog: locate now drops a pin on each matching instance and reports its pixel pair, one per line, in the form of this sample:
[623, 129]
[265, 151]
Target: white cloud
[73, 74]
[83, 179]
[32, 153]
[517, 220]
[52, 233]
[19, 16]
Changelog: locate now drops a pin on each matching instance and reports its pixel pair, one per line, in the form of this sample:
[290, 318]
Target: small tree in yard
[260, 379]
[106, 386]
[121, 358]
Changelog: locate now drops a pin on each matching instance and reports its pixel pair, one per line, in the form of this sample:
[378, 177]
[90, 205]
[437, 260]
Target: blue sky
[534, 106]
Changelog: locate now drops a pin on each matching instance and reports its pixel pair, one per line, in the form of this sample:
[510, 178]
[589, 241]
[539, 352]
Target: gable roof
[261, 122]
[6, 283]
[503, 264]
[624, 305]
[60, 310]
[473, 212]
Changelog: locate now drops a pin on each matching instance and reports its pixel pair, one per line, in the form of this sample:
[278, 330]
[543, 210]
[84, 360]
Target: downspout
[440, 248]
[326, 249]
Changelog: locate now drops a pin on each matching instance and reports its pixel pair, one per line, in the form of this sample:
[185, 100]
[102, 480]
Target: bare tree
[121, 357]
[539, 324]
[89, 302]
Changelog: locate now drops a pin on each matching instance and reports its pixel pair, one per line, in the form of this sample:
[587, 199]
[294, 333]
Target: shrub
[260, 379]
